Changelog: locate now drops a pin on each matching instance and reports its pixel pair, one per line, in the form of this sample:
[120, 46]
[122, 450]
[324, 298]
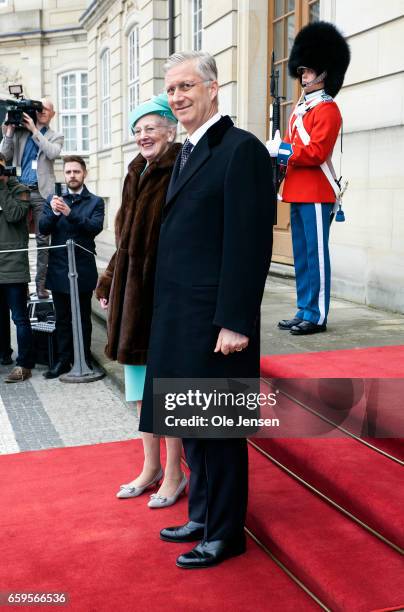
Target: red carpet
[374, 362]
[365, 483]
[62, 529]
[346, 567]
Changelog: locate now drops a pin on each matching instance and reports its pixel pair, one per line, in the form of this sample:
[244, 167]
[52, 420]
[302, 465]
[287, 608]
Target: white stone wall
[108, 28]
[368, 249]
[36, 59]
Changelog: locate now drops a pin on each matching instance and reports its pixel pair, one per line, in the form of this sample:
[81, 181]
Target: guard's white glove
[274, 144]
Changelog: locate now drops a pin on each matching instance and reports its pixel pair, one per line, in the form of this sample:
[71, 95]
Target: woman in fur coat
[126, 286]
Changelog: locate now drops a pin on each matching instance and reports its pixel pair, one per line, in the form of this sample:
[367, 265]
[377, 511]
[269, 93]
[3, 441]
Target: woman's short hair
[169, 123]
[206, 63]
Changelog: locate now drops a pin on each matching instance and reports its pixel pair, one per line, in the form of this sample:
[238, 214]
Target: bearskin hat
[320, 46]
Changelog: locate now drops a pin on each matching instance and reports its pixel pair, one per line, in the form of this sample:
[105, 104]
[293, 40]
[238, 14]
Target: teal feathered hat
[157, 104]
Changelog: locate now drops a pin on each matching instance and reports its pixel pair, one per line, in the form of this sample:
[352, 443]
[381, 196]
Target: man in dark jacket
[213, 258]
[14, 268]
[78, 215]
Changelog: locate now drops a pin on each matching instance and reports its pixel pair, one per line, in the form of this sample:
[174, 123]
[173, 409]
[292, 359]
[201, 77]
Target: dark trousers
[218, 488]
[16, 296]
[5, 340]
[64, 333]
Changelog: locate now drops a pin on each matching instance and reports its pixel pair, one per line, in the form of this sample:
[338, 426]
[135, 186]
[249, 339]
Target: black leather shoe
[190, 532]
[307, 327]
[208, 554]
[58, 369]
[288, 323]
[6, 360]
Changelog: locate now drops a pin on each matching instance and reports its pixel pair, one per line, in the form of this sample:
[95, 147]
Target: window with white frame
[133, 68]
[105, 100]
[197, 25]
[73, 104]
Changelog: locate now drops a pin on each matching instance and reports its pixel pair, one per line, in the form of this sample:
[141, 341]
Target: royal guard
[319, 58]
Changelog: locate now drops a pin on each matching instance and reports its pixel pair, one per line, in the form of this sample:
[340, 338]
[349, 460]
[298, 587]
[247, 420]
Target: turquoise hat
[157, 104]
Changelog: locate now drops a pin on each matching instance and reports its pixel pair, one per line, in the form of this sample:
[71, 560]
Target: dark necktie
[185, 153]
[72, 198]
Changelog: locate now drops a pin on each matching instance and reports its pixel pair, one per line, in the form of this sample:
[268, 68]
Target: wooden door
[285, 19]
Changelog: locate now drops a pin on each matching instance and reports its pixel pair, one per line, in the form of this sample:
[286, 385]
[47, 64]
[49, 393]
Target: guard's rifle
[277, 172]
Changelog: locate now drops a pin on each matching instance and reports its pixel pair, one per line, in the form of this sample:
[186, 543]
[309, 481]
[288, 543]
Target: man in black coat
[213, 259]
[78, 215]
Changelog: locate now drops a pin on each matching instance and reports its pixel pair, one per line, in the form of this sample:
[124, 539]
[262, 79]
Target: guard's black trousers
[64, 333]
[218, 488]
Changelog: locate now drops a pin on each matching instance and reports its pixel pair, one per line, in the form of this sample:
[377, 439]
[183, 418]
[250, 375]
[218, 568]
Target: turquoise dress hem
[134, 382]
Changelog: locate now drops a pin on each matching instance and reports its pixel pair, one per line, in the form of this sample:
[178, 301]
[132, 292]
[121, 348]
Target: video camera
[8, 170]
[16, 108]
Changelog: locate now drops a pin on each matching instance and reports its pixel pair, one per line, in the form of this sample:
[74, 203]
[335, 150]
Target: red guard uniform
[319, 57]
[309, 142]
[305, 181]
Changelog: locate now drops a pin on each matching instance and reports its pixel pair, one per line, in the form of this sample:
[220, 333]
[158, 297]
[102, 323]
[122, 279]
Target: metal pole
[80, 371]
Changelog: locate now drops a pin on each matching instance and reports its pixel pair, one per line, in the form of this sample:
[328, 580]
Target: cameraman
[34, 150]
[14, 267]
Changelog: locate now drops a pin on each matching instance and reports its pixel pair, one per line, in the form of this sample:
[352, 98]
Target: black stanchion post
[80, 371]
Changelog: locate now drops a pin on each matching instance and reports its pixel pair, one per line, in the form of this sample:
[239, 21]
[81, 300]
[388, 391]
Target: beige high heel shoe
[159, 501]
[128, 490]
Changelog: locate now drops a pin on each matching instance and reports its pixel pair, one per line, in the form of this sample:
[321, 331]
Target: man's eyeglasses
[184, 87]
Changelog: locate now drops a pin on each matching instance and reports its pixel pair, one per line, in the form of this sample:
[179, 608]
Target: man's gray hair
[206, 63]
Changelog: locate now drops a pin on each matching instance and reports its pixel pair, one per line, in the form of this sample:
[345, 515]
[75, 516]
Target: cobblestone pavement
[39, 413]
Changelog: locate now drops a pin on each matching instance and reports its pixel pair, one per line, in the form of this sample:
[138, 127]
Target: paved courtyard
[39, 413]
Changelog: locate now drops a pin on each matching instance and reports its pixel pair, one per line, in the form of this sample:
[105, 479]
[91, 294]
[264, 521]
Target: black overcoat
[213, 258]
[83, 224]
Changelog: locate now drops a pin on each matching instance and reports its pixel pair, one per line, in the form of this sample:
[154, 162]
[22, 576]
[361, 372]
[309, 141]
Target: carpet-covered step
[394, 447]
[362, 407]
[339, 561]
[63, 530]
[362, 481]
[373, 362]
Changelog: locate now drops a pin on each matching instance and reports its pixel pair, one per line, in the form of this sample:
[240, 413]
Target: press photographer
[14, 267]
[78, 215]
[29, 143]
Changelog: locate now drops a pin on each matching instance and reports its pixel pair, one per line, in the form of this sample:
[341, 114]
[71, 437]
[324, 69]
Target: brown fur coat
[128, 281]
